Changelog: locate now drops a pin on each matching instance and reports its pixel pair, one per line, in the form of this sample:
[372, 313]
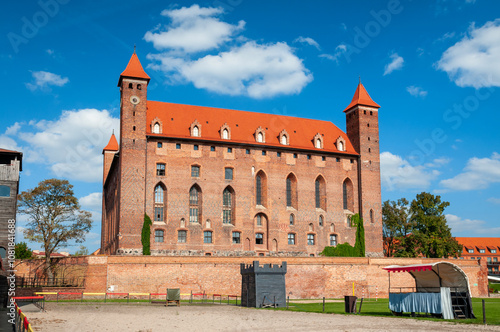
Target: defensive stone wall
[307, 277]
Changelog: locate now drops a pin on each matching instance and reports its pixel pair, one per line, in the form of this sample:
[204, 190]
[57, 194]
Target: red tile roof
[492, 243]
[134, 69]
[112, 144]
[176, 122]
[9, 151]
[361, 97]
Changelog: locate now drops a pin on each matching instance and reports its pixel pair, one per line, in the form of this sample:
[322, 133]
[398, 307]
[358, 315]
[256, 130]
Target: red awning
[408, 268]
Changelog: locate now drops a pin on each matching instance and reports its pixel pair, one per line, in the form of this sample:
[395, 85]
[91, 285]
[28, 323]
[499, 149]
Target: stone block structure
[263, 285]
[219, 182]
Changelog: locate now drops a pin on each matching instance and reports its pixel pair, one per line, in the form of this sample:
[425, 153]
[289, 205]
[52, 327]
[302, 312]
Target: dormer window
[318, 141]
[283, 137]
[156, 128]
[195, 129]
[260, 135]
[340, 143]
[225, 131]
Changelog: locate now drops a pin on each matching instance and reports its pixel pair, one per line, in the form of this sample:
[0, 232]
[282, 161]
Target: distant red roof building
[486, 248]
[41, 254]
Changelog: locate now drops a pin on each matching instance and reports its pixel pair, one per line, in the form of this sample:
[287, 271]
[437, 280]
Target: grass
[381, 308]
[495, 287]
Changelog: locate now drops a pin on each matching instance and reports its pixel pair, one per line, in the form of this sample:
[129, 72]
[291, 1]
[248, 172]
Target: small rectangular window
[195, 171]
[230, 150]
[308, 156]
[263, 152]
[228, 173]
[159, 145]
[236, 237]
[158, 235]
[207, 237]
[295, 155]
[493, 251]
[338, 160]
[259, 238]
[291, 238]
[352, 161]
[278, 154]
[333, 240]
[160, 169]
[212, 148]
[323, 158]
[178, 146]
[181, 236]
[247, 151]
[196, 147]
[481, 251]
[310, 239]
[470, 251]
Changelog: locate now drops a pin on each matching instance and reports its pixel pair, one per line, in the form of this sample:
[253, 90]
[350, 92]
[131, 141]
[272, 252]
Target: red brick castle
[232, 183]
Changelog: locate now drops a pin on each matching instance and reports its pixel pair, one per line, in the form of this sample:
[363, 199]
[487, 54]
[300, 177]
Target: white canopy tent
[441, 277]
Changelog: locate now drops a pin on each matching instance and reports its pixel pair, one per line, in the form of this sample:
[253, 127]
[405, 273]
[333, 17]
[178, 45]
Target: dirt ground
[147, 318]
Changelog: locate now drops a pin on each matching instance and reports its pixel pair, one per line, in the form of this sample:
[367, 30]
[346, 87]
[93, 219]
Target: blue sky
[433, 66]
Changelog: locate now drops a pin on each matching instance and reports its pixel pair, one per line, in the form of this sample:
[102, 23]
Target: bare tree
[55, 217]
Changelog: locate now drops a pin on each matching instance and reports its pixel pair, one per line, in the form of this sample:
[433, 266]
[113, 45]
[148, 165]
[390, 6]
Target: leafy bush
[146, 235]
[341, 250]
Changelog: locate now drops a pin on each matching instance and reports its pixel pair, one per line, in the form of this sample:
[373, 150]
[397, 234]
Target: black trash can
[350, 304]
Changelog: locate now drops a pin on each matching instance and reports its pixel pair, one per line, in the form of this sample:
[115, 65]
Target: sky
[433, 66]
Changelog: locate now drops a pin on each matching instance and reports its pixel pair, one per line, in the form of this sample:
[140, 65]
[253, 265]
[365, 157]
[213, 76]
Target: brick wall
[307, 277]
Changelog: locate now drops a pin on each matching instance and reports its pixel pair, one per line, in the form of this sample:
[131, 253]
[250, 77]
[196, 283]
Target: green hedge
[146, 235]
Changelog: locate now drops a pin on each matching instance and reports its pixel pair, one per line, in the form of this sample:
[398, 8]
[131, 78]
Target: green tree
[360, 235]
[21, 251]
[418, 228]
[397, 229]
[54, 217]
[431, 229]
[83, 251]
[146, 235]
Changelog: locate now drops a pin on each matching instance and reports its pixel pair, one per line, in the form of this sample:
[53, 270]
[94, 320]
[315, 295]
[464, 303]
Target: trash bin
[350, 304]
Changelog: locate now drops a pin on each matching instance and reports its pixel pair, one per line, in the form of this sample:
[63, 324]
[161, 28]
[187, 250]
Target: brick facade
[331, 175]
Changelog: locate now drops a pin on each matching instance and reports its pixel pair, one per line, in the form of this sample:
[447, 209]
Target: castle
[232, 183]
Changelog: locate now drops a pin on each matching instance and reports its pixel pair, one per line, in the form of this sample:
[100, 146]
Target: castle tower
[133, 84]
[362, 130]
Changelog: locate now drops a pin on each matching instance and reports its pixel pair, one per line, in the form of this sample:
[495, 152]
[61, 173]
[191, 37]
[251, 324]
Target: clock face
[135, 100]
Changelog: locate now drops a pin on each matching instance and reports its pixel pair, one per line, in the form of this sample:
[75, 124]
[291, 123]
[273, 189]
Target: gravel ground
[148, 318]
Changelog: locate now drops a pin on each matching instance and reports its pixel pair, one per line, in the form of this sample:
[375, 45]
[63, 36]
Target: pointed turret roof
[112, 144]
[134, 70]
[361, 97]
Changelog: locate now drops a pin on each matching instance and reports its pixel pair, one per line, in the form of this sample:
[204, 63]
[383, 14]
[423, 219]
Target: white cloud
[494, 200]
[339, 50]
[473, 61]
[307, 40]
[254, 70]
[72, 145]
[12, 130]
[479, 173]
[92, 201]
[469, 226]
[416, 91]
[43, 80]
[395, 64]
[193, 29]
[229, 64]
[397, 173]
[438, 162]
